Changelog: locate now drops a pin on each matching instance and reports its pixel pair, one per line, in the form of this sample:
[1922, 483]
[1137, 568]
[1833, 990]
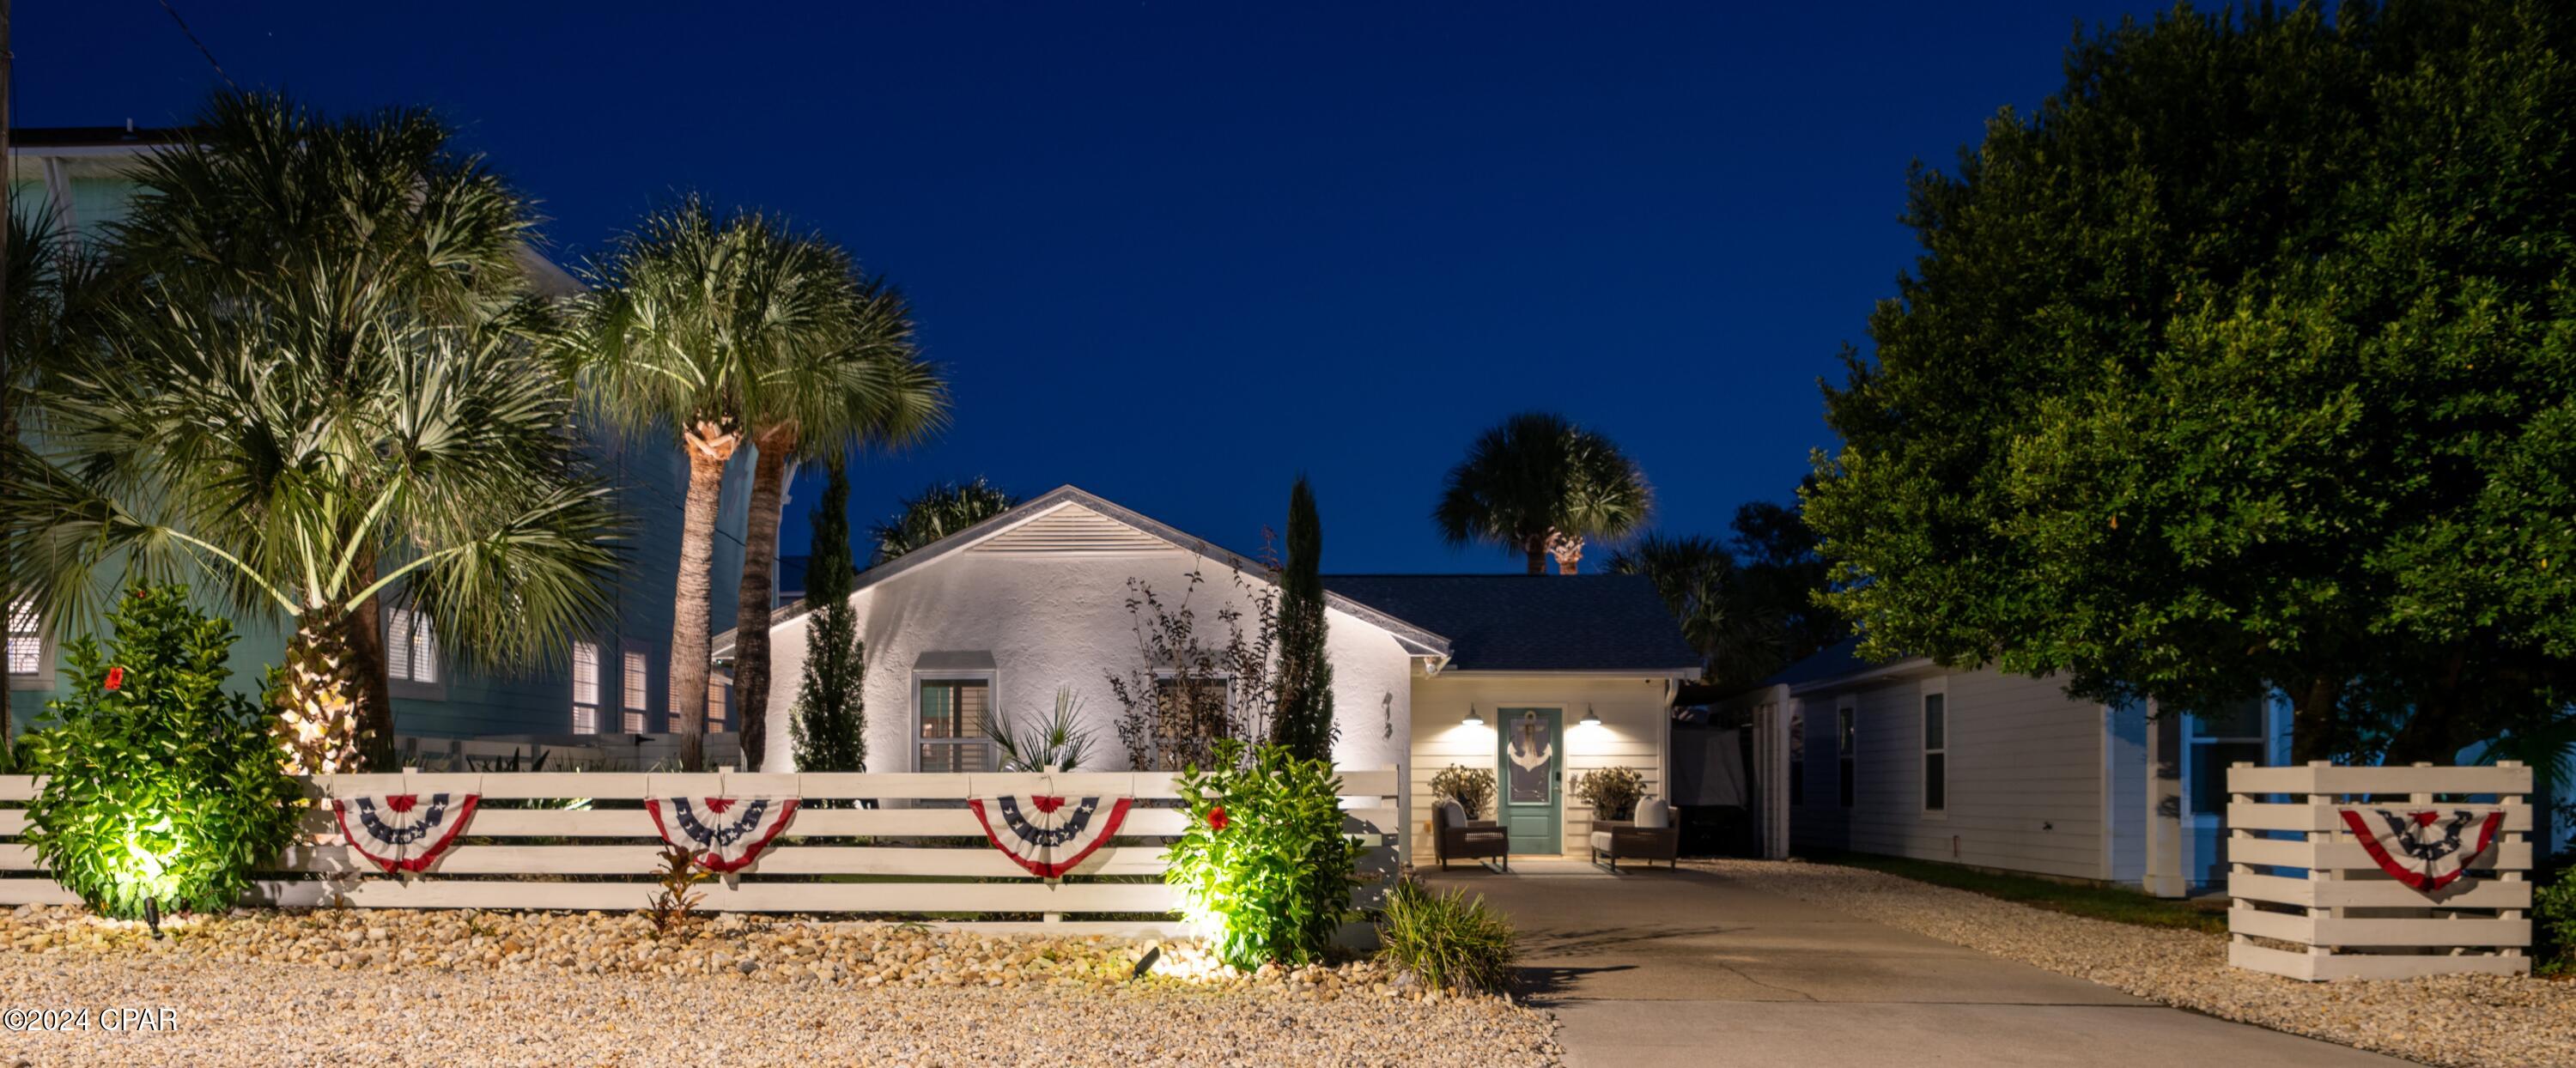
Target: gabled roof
[1591, 623]
[1839, 662]
[1416, 639]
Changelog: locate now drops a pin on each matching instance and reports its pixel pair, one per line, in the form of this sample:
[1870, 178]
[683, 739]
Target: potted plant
[1613, 793]
[1471, 788]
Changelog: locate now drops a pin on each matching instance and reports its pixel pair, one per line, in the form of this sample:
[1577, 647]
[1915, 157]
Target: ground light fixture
[1590, 717]
[1473, 718]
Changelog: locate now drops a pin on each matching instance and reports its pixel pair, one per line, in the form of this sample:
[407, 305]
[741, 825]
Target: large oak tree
[2248, 359]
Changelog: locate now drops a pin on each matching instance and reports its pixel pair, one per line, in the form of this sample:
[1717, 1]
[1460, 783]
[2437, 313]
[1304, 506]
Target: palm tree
[1700, 584]
[871, 387]
[939, 510]
[313, 409]
[1539, 485]
[55, 302]
[690, 321]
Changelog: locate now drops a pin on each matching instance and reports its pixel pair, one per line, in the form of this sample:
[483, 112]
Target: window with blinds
[954, 713]
[411, 647]
[717, 692]
[585, 687]
[26, 640]
[635, 690]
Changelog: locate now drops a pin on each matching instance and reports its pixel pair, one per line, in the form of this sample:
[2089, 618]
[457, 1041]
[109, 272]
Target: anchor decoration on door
[1532, 752]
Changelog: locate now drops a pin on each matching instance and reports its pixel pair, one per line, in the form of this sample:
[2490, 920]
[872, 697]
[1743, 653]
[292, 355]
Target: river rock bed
[271, 987]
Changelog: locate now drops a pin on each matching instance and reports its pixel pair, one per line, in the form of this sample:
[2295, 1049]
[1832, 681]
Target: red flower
[115, 679]
[1216, 818]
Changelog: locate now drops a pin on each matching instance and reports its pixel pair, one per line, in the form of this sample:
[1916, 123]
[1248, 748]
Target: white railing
[2297, 874]
[921, 852]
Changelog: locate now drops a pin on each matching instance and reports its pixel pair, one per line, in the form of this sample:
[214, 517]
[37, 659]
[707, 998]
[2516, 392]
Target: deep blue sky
[1175, 253]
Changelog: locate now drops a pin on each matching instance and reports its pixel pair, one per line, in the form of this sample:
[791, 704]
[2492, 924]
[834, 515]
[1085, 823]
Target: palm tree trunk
[1568, 550]
[1536, 547]
[367, 659]
[751, 613]
[709, 446]
[318, 696]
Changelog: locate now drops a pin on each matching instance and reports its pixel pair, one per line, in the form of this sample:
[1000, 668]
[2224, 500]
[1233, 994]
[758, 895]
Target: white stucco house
[1428, 670]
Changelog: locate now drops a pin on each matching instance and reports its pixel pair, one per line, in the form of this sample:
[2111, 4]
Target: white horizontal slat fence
[2297, 874]
[582, 840]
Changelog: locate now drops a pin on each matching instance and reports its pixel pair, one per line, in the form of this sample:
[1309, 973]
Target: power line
[201, 45]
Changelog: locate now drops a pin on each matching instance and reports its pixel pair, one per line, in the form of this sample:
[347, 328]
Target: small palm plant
[1061, 742]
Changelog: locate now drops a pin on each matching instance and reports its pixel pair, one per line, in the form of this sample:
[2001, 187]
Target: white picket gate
[2296, 874]
[610, 852]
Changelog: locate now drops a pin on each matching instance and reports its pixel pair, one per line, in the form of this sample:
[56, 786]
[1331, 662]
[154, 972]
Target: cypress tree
[831, 722]
[1303, 721]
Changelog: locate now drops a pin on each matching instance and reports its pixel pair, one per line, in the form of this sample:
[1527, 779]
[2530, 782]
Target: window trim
[626, 702]
[1923, 696]
[404, 685]
[574, 675]
[43, 677]
[2195, 741]
[1846, 752]
[990, 677]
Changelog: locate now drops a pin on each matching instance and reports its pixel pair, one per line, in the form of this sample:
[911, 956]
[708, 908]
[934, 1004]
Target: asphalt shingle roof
[1532, 622]
[1833, 661]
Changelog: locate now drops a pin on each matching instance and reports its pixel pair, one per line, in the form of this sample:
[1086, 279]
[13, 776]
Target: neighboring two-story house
[615, 680]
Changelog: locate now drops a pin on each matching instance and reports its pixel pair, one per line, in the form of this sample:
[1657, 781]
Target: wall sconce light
[1590, 717]
[1473, 719]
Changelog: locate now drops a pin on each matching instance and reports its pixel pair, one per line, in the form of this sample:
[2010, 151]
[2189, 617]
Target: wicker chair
[1654, 835]
[1458, 838]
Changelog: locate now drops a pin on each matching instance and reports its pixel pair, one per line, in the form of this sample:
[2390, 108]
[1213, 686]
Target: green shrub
[1447, 940]
[1264, 870]
[164, 788]
[1472, 788]
[2554, 906]
[1612, 792]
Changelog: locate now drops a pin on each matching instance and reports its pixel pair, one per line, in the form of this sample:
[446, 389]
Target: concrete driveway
[1693, 968]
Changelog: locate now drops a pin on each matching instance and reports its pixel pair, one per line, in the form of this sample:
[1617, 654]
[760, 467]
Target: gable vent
[1074, 529]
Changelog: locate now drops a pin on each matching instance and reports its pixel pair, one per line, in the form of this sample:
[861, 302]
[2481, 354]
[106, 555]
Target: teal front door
[1529, 750]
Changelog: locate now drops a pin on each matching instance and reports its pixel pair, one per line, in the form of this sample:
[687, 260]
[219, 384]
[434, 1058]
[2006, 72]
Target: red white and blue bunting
[724, 833]
[1048, 835]
[402, 832]
[2424, 848]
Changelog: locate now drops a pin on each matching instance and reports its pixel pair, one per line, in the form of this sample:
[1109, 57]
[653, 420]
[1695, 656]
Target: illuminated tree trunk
[367, 651]
[318, 697]
[709, 446]
[751, 611]
[1568, 550]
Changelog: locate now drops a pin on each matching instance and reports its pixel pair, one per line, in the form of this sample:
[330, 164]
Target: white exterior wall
[2026, 788]
[1061, 619]
[1635, 731]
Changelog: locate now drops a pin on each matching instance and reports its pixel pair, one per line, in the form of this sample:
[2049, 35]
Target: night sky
[1177, 253]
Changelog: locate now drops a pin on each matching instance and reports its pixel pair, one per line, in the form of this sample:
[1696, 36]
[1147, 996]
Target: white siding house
[1998, 771]
[995, 619]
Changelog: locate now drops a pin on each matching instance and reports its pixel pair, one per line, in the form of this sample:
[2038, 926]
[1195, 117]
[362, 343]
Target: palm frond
[938, 511]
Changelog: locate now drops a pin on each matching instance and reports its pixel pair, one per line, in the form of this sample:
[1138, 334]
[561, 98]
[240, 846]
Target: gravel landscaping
[541, 988]
[2462, 1021]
